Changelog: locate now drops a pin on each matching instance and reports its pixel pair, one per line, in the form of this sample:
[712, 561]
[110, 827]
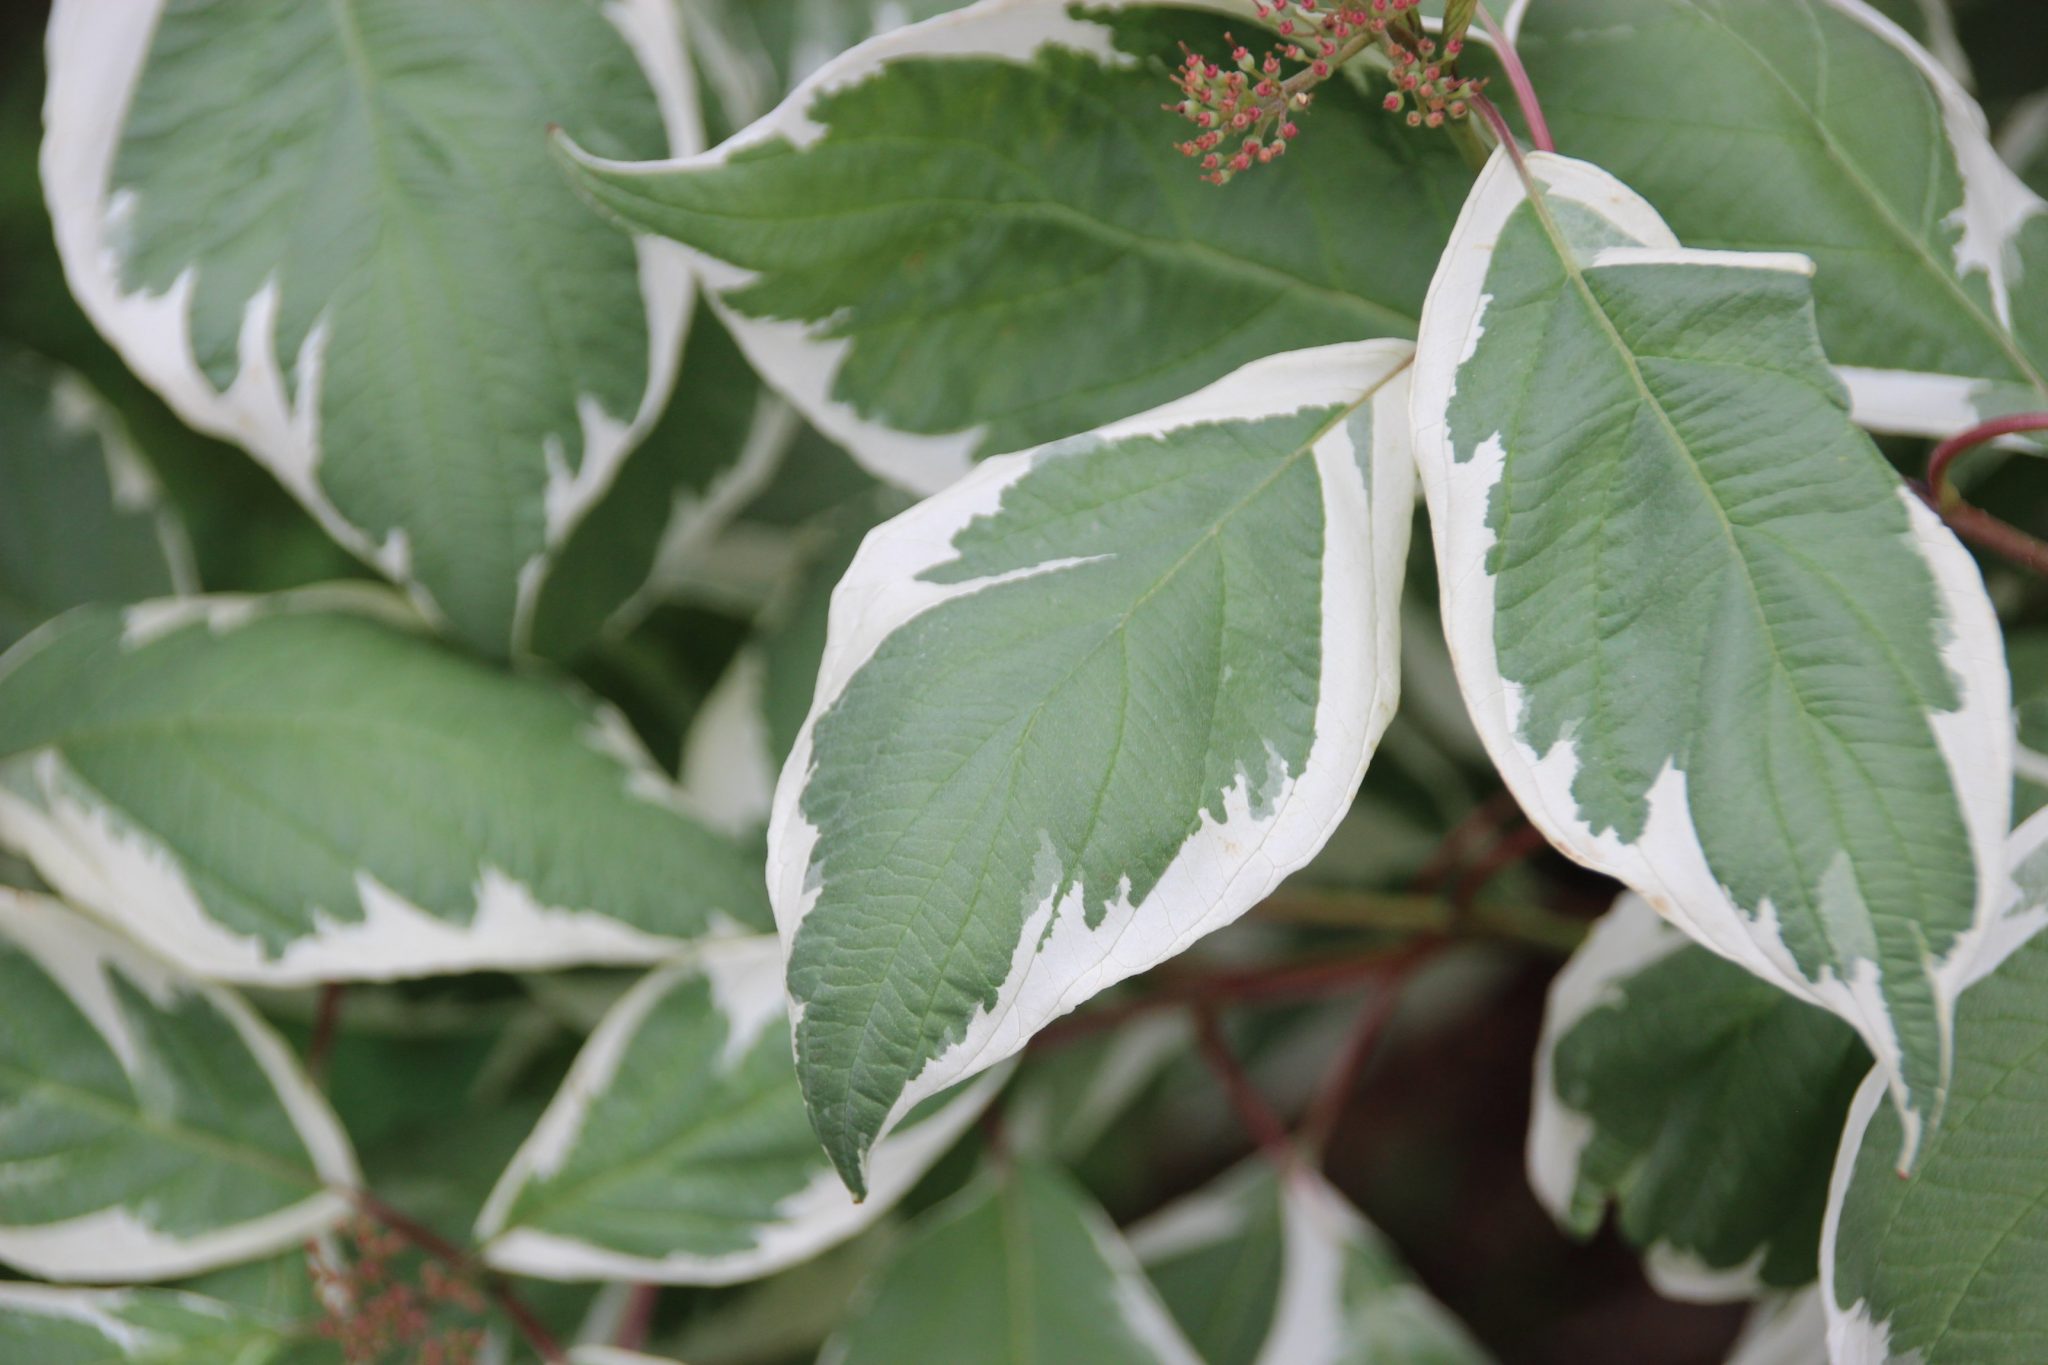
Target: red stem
[1480, 827]
[1340, 1081]
[1974, 523]
[1253, 1112]
[638, 1319]
[1512, 849]
[1525, 89]
[456, 1258]
[326, 1026]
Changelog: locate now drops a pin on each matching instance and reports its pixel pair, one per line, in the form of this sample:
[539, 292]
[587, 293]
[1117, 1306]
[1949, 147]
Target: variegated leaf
[998, 806]
[301, 788]
[1714, 645]
[44, 1326]
[1020, 1268]
[331, 233]
[1932, 257]
[1950, 1267]
[82, 518]
[1701, 1102]
[915, 249]
[1263, 1268]
[678, 1151]
[149, 1126]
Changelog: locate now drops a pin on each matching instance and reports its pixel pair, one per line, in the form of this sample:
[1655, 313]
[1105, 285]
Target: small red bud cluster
[1423, 73]
[385, 1304]
[1244, 108]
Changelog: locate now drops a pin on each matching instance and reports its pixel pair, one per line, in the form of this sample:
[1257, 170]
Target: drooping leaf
[295, 789]
[976, 234]
[331, 233]
[715, 447]
[1714, 645]
[678, 1151]
[82, 518]
[44, 1326]
[1951, 1265]
[1079, 710]
[1261, 1269]
[149, 1126]
[1701, 1102]
[1020, 1268]
[1931, 257]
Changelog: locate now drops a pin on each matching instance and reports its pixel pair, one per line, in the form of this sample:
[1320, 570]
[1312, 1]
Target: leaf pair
[1075, 710]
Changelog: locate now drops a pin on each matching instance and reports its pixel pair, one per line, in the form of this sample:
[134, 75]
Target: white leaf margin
[1855, 1334]
[105, 863]
[745, 977]
[1667, 865]
[96, 52]
[1224, 869]
[1996, 205]
[796, 358]
[112, 1245]
[1320, 1230]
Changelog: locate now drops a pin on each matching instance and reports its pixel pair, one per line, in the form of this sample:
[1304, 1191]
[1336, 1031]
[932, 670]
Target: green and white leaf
[83, 518]
[299, 788]
[1951, 1266]
[1715, 646]
[1701, 1102]
[333, 235]
[975, 234]
[149, 1126]
[1045, 629]
[716, 447]
[1261, 1269]
[678, 1151]
[1931, 255]
[1020, 1268]
[1784, 1329]
[44, 1326]
[744, 731]
[613, 1355]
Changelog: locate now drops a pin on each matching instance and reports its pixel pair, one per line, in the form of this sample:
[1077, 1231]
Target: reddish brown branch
[326, 1027]
[1257, 1116]
[1973, 523]
[1340, 1081]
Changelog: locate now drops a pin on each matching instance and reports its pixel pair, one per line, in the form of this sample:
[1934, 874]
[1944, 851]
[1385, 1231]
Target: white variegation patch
[799, 359]
[1144, 1316]
[1666, 864]
[1267, 831]
[117, 1244]
[745, 977]
[97, 52]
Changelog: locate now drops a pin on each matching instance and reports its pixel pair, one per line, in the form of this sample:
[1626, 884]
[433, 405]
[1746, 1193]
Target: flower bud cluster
[385, 1303]
[1244, 107]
